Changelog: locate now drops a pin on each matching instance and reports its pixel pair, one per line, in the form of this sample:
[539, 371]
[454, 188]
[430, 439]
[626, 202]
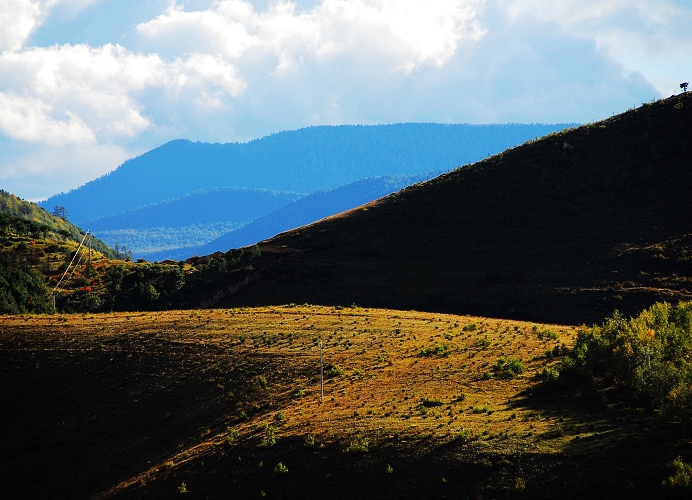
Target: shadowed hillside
[566, 228]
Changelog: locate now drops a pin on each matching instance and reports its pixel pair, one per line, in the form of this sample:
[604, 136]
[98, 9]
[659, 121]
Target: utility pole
[321, 374]
[88, 272]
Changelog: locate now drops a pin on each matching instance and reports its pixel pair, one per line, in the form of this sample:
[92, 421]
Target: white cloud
[30, 119]
[640, 34]
[80, 94]
[54, 169]
[234, 70]
[18, 18]
[404, 35]
[74, 94]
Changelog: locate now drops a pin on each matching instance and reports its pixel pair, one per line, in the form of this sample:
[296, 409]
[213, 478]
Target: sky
[87, 84]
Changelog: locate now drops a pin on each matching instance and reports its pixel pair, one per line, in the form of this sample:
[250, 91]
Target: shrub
[650, 355]
[681, 477]
[334, 371]
[480, 409]
[465, 435]
[438, 350]
[547, 334]
[280, 468]
[508, 368]
[430, 403]
[550, 375]
[359, 445]
[231, 435]
[269, 438]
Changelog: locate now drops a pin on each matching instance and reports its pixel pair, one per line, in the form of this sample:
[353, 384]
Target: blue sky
[87, 84]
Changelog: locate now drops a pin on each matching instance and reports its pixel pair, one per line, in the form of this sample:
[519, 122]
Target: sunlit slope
[566, 229]
[416, 405]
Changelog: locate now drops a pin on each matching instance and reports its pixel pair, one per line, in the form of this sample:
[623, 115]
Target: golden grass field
[135, 404]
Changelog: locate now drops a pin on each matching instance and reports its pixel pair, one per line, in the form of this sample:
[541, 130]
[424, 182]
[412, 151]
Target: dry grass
[386, 384]
[138, 402]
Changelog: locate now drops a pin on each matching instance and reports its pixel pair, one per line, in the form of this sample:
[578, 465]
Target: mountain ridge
[304, 160]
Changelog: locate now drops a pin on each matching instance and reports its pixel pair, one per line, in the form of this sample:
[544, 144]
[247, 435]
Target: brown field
[136, 404]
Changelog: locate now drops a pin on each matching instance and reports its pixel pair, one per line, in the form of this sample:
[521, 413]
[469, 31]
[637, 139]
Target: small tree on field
[684, 85]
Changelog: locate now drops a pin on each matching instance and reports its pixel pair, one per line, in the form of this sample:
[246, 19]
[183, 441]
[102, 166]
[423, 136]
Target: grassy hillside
[562, 229]
[226, 403]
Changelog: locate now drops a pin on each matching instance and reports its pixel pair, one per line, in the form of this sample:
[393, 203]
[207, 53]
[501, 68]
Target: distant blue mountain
[299, 213]
[305, 161]
[236, 205]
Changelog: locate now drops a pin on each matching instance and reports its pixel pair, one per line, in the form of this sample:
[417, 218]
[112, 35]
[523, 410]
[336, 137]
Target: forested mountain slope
[218, 205]
[159, 231]
[304, 160]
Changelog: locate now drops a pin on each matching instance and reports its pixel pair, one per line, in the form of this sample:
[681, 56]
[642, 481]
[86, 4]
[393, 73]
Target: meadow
[211, 403]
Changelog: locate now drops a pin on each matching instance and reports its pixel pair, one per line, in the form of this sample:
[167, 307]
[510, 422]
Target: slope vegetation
[562, 229]
[14, 206]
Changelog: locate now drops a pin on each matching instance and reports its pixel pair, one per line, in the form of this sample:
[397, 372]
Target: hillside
[304, 211]
[304, 161]
[207, 404]
[562, 229]
[11, 204]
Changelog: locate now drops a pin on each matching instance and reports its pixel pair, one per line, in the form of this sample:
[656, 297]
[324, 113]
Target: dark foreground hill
[304, 161]
[566, 228]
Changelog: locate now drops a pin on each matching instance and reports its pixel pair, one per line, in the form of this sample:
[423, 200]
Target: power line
[71, 262]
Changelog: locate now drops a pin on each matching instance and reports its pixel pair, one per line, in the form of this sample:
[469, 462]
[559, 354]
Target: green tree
[22, 288]
[650, 356]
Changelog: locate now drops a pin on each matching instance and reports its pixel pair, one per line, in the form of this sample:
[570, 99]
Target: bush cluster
[650, 355]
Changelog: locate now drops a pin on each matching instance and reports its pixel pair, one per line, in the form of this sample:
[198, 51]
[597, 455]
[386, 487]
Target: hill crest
[562, 229]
